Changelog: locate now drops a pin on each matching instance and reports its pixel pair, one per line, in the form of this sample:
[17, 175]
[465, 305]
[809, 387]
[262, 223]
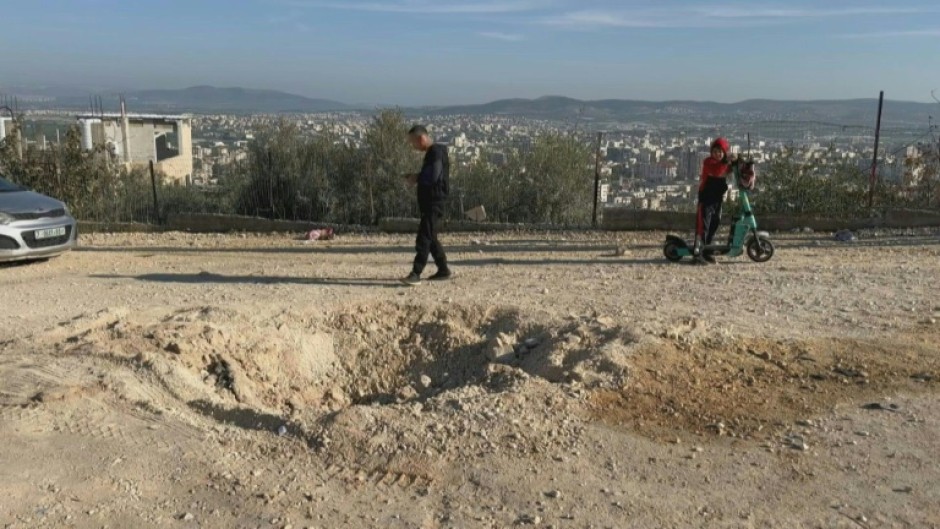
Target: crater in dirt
[382, 378]
[383, 387]
[367, 354]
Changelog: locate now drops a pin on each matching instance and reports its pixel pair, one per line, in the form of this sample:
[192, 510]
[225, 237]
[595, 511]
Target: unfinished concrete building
[137, 139]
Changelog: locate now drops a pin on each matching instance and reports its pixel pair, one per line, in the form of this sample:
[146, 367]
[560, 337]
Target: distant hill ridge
[849, 111]
[210, 99]
[242, 100]
[199, 99]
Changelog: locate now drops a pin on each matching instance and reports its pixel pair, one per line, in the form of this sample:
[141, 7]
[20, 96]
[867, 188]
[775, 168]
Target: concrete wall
[627, 219]
[206, 223]
[109, 132]
[116, 227]
[405, 225]
[140, 137]
[142, 147]
[179, 169]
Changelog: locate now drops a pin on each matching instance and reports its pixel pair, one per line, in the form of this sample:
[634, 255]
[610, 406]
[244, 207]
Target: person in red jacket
[711, 194]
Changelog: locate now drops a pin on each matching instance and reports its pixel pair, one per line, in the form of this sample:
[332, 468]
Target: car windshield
[8, 187]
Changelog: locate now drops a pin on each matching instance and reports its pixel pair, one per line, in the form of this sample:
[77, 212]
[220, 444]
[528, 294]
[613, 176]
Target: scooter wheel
[760, 250]
[671, 251]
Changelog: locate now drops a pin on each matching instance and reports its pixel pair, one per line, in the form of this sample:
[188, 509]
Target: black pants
[709, 217]
[426, 242]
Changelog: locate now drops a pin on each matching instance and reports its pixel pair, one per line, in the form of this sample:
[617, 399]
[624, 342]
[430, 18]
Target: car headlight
[6, 218]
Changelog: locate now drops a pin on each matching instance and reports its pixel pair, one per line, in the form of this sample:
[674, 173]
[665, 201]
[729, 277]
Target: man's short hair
[418, 130]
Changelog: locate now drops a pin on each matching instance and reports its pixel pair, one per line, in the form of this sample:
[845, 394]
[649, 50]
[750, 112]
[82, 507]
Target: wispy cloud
[774, 13]
[713, 16]
[291, 21]
[506, 37]
[411, 6]
[910, 33]
[628, 19]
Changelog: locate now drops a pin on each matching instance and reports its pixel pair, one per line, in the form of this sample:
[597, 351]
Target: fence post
[874, 163]
[271, 182]
[156, 204]
[597, 177]
[929, 187]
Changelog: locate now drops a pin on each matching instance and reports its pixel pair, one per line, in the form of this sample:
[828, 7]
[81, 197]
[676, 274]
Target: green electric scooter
[744, 235]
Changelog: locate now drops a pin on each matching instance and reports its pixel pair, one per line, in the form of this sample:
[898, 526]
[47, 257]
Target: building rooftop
[144, 117]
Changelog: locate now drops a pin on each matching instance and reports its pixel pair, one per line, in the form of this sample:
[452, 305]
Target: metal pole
[153, 182]
[125, 133]
[19, 141]
[271, 182]
[874, 163]
[929, 194]
[597, 177]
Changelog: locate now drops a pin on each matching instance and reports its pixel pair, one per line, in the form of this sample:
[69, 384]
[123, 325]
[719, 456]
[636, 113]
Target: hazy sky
[463, 51]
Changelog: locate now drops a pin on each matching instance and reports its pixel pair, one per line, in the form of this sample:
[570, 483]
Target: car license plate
[50, 233]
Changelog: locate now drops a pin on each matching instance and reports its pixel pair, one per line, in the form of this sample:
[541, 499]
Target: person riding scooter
[711, 194]
[743, 235]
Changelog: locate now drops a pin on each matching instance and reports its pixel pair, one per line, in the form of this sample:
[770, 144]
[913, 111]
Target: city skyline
[449, 52]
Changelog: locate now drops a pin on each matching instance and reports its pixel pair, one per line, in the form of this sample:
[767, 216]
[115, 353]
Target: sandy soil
[567, 380]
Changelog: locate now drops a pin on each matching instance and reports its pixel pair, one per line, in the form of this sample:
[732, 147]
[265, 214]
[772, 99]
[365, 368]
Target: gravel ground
[563, 379]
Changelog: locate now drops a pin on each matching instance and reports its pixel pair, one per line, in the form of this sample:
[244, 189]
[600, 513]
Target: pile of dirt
[211, 354]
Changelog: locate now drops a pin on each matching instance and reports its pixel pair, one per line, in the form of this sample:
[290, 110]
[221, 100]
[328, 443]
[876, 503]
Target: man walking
[432, 184]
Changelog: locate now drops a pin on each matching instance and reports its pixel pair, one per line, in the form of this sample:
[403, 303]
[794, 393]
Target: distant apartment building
[660, 172]
[138, 139]
[5, 128]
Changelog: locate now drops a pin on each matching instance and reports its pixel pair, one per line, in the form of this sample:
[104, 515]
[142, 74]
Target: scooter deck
[685, 248]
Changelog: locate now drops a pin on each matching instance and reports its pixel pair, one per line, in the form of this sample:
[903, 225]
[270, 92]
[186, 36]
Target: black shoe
[709, 258]
[411, 279]
[441, 275]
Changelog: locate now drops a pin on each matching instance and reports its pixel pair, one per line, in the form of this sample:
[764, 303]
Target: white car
[33, 226]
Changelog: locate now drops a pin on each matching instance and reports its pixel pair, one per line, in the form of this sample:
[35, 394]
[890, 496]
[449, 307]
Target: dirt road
[177, 380]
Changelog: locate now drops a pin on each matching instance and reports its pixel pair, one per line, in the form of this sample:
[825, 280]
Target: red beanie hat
[722, 144]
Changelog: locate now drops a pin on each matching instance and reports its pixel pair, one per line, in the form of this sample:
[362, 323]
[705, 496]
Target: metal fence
[804, 166]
